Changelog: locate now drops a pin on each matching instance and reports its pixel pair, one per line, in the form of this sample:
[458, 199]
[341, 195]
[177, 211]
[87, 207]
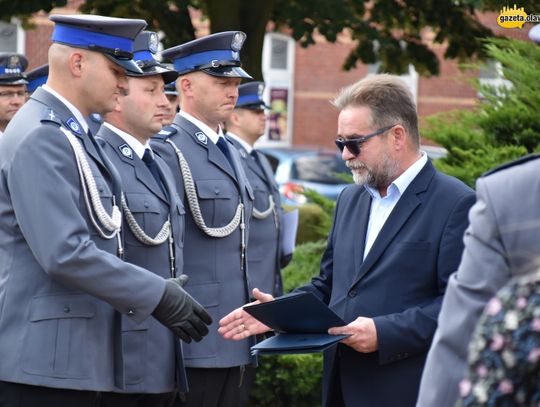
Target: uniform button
[216, 191]
[131, 313]
[352, 293]
[146, 204]
[66, 309]
[101, 189]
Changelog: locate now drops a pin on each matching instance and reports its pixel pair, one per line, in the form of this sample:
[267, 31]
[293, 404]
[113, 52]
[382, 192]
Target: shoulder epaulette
[166, 132]
[511, 164]
[48, 116]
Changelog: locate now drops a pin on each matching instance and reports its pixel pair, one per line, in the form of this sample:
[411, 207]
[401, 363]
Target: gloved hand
[178, 311]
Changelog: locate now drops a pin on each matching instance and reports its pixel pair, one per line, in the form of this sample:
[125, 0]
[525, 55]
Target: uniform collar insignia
[243, 153]
[126, 151]
[201, 137]
[73, 125]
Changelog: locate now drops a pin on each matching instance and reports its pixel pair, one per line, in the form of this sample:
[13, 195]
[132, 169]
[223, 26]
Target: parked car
[299, 168]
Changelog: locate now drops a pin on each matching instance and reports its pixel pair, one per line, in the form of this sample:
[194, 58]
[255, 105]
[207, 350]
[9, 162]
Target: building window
[11, 37]
[278, 72]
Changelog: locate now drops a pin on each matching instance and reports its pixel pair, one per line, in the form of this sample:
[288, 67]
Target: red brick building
[301, 81]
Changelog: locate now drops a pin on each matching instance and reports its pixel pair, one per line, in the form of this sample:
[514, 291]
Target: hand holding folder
[301, 322]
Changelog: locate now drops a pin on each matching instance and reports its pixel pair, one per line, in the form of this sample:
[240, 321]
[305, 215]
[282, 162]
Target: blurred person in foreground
[504, 353]
[395, 239]
[501, 242]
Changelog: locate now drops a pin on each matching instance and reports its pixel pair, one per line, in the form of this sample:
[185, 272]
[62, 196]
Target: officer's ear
[185, 85]
[76, 60]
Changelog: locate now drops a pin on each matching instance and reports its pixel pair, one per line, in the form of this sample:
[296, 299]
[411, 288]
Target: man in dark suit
[219, 199]
[154, 232]
[395, 239]
[63, 284]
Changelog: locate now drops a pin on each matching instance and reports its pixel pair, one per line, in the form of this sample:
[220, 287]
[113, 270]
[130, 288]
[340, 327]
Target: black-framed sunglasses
[353, 144]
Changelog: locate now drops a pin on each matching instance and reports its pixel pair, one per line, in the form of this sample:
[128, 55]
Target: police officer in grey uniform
[37, 77]
[13, 83]
[154, 227]
[62, 283]
[244, 127]
[219, 201]
[265, 257]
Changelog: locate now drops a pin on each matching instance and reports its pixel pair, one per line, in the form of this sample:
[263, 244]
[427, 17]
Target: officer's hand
[178, 311]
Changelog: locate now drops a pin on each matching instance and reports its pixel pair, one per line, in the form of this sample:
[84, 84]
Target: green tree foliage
[505, 126]
[394, 26]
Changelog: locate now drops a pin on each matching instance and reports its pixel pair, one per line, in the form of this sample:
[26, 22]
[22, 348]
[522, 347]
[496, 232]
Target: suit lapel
[405, 207]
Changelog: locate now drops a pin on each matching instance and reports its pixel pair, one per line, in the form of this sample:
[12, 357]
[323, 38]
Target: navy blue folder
[300, 321]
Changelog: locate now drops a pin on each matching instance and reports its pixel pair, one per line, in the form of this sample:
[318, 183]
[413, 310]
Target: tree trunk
[250, 17]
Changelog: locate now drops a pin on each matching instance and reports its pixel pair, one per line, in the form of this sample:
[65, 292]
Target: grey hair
[388, 99]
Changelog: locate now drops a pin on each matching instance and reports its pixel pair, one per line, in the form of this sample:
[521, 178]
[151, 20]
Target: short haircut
[389, 100]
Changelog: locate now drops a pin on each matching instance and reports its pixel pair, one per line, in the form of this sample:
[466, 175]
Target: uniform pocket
[55, 341]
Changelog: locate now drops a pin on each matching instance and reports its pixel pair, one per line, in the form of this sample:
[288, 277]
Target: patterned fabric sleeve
[504, 354]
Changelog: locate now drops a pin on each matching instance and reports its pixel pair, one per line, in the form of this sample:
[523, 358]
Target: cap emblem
[153, 42]
[238, 40]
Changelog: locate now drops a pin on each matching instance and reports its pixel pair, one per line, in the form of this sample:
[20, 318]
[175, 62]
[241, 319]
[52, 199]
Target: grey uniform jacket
[150, 349]
[60, 281]
[264, 249]
[502, 241]
[217, 277]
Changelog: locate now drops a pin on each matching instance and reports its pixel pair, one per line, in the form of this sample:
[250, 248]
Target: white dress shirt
[210, 133]
[381, 207]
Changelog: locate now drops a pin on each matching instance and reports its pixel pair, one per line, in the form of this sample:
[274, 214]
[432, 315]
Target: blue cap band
[143, 56]
[35, 83]
[249, 100]
[191, 62]
[10, 71]
[84, 38]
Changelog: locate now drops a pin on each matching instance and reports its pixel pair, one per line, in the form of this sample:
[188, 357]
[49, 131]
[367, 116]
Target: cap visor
[128, 64]
[13, 81]
[167, 75]
[228, 72]
[254, 106]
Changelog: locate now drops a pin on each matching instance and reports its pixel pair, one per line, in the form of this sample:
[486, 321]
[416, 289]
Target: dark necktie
[222, 145]
[152, 166]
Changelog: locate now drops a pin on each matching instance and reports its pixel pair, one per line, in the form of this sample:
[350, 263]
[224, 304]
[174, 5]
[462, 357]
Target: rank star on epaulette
[73, 125]
[126, 151]
[201, 137]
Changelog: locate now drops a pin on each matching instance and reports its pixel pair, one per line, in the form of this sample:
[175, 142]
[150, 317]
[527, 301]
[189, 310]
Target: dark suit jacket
[400, 284]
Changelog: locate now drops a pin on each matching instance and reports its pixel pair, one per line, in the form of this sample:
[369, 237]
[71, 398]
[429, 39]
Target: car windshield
[320, 168]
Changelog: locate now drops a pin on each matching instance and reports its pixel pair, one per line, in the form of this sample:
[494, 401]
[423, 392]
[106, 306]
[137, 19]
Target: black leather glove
[179, 312]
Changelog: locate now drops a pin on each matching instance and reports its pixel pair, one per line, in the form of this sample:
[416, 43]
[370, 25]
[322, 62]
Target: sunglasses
[353, 144]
